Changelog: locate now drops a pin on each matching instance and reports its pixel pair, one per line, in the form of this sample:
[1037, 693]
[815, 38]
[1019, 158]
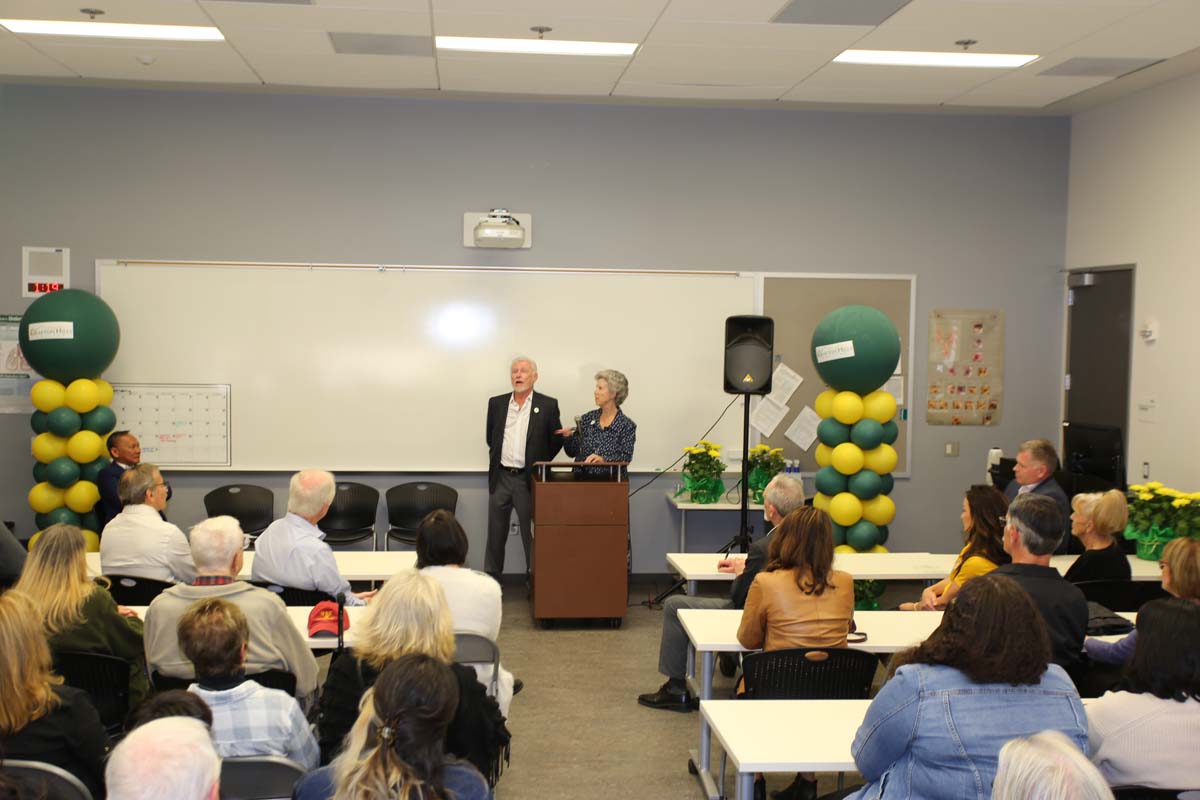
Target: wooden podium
[580, 542]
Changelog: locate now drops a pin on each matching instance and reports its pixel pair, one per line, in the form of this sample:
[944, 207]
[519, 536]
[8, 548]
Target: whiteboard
[390, 368]
[178, 425]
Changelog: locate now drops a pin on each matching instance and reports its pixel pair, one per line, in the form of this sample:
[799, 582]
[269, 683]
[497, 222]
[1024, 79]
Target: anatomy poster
[966, 367]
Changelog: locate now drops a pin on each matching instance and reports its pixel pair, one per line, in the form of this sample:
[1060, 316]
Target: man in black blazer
[520, 431]
[1034, 474]
[126, 452]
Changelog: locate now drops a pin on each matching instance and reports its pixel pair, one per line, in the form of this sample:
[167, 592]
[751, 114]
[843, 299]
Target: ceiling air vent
[381, 44]
[1099, 67]
[838, 12]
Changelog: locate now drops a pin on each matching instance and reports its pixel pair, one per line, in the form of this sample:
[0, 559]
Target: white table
[299, 617]
[354, 565]
[695, 567]
[685, 506]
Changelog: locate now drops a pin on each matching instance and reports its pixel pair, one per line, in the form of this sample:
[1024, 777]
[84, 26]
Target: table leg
[691, 587]
[683, 533]
[745, 785]
[704, 752]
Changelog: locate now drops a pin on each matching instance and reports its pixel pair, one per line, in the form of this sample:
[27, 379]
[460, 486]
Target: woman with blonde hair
[410, 615]
[1047, 766]
[40, 719]
[395, 749]
[79, 613]
[1097, 518]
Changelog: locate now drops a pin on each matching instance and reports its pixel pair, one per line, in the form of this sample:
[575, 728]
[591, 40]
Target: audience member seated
[171, 703]
[1098, 517]
[1148, 732]
[139, 542]
[12, 557]
[40, 719]
[1180, 565]
[473, 597]
[982, 517]
[982, 677]
[248, 719]
[125, 451]
[783, 495]
[1047, 766]
[410, 615]
[396, 748]
[77, 613]
[1030, 538]
[166, 759]
[275, 643]
[1034, 474]
[292, 551]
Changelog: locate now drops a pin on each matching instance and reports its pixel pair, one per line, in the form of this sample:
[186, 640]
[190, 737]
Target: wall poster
[966, 367]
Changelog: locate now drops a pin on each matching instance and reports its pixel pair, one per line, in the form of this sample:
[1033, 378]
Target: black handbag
[1103, 622]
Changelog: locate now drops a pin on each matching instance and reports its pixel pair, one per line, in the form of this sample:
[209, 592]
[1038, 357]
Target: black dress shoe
[668, 699]
[800, 789]
[728, 663]
[518, 685]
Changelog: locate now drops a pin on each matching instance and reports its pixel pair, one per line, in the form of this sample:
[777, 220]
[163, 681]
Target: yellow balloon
[91, 542]
[33, 540]
[82, 496]
[882, 459]
[879, 406]
[85, 447]
[47, 447]
[821, 501]
[846, 509]
[878, 549]
[823, 405]
[880, 509]
[106, 392]
[823, 455]
[45, 497]
[847, 408]
[844, 548]
[47, 395]
[847, 458]
[83, 395]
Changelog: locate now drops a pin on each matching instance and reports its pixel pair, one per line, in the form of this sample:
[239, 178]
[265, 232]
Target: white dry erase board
[350, 368]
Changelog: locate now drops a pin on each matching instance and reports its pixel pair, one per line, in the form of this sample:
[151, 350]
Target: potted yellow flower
[763, 464]
[1158, 514]
[702, 472]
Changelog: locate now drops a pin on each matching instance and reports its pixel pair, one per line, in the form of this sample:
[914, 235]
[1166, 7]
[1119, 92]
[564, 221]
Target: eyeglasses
[164, 484]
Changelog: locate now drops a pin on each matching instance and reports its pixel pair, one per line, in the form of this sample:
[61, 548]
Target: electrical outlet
[1145, 470]
[951, 449]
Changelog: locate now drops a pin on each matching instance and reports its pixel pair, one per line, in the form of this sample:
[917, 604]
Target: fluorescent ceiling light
[545, 47]
[114, 30]
[917, 58]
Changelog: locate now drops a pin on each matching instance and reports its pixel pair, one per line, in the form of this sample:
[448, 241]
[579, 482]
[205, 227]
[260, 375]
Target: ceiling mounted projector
[499, 229]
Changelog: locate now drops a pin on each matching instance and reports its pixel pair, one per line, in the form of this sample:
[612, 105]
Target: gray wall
[975, 206]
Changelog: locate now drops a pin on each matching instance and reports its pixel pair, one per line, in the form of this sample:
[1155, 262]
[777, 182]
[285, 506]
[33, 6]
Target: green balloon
[100, 419]
[832, 433]
[883, 534]
[62, 472]
[867, 434]
[38, 421]
[64, 422]
[839, 534]
[62, 514]
[85, 337]
[891, 432]
[39, 472]
[829, 481]
[864, 484]
[862, 535]
[888, 484]
[855, 349]
[91, 470]
[90, 522]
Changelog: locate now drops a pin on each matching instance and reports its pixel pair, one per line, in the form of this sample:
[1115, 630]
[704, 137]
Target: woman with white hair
[1096, 519]
[410, 615]
[605, 434]
[1047, 766]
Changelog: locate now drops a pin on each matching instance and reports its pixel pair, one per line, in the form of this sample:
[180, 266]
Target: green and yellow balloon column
[855, 351]
[69, 337]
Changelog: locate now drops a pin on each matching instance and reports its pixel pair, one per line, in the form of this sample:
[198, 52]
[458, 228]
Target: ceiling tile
[517, 26]
[632, 9]
[18, 58]
[910, 95]
[351, 72]
[151, 12]
[1024, 91]
[739, 66]
[743, 34]
[316, 18]
[518, 74]
[899, 79]
[723, 10]
[671, 91]
[278, 40]
[1167, 29]
[208, 62]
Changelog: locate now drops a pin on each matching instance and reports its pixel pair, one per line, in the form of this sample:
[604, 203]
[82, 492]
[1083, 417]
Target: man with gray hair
[275, 644]
[292, 551]
[783, 495]
[169, 757]
[1032, 531]
[139, 542]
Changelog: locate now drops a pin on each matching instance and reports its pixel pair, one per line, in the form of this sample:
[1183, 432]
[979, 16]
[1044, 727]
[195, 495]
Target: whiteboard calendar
[178, 425]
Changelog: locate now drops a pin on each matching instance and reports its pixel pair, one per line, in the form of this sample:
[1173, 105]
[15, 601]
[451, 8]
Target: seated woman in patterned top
[605, 434]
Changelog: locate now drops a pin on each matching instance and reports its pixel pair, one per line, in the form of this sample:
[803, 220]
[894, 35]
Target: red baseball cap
[322, 620]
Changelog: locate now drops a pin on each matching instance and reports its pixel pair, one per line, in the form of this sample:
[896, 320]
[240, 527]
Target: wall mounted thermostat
[44, 270]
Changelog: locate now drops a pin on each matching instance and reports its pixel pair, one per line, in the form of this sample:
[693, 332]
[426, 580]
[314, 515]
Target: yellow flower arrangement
[702, 472]
[1159, 513]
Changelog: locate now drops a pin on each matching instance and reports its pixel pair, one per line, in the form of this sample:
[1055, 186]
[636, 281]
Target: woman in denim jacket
[983, 677]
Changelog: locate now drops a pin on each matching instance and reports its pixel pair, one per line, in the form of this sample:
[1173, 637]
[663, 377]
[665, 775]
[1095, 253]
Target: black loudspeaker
[749, 341]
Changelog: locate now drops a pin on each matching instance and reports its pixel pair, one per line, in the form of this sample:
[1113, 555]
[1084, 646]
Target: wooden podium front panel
[580, 571]
[581, 503]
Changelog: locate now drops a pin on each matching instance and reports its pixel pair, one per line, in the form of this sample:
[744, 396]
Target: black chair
[1121, 595]
[409, 503]
[259, 777]
[252, 506]
[351, 516]
[1144, 793]
[105, 678]
[271, 679]
[46, 780]
[471, 648]
[292, 596]
[129, 590]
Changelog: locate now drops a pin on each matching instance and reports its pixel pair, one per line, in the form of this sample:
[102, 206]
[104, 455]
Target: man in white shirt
[139, 542]
[292, 551]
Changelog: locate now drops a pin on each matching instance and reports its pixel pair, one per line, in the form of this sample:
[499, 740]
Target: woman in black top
[40, 719]
[1097, 518]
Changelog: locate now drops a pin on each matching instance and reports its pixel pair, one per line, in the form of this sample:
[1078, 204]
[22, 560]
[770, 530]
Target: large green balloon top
[69, 334]
[855, 349]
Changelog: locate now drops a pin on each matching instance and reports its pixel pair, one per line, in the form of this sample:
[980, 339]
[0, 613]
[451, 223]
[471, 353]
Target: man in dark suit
[783, 495]
[126, 452]
[520, 431]
[1033, 474]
